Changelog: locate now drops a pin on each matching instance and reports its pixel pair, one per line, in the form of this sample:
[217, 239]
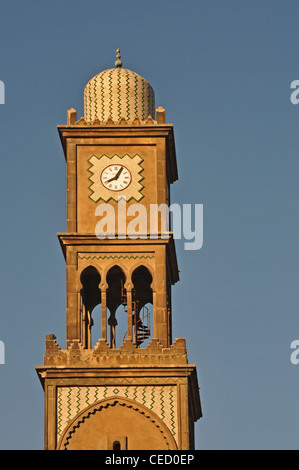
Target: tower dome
[118, 93]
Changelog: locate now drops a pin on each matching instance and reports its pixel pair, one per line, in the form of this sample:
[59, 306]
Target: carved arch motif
[167, 439]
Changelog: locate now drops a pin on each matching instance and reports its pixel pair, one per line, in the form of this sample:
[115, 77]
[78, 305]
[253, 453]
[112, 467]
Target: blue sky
[222, 70]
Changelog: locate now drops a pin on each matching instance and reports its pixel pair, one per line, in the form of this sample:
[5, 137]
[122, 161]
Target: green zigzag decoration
[118, 95]
[115, 155]
[111, 381]
[110, 93]
[172, 420]
[116, 257]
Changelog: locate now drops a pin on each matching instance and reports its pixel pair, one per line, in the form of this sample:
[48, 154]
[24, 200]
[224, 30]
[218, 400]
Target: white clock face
[116, 177]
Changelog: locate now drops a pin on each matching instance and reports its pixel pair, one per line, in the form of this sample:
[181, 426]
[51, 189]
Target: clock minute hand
[116, 176]
[118, 173]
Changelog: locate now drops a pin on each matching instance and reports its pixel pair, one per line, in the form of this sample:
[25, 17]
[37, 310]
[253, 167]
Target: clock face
[116, 177]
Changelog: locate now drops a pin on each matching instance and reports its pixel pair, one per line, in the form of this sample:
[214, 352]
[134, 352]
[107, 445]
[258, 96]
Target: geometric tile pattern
[118, 93]
[162, 400]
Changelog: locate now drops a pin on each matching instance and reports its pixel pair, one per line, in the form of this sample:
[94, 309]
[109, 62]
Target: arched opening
[142, 300]
[116, 445]
[91, 297]
[122, 324]
[115, 298]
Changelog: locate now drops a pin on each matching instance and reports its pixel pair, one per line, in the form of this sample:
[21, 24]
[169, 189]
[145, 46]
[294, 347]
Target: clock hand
[111, 179]
[116, 176]
[118, 173]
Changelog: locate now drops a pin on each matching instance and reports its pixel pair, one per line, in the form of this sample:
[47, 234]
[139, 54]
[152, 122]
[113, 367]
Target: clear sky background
[222, 70]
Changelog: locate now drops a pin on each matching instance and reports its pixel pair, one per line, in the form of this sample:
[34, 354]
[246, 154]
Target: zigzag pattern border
[112, 198]
[115, 256]
[118, 381]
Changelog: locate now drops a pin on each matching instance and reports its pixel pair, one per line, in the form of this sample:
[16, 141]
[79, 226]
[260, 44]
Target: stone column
[104, 311]
[129, 315]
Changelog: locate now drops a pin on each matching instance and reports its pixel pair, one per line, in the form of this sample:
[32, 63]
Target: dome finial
[118, 62]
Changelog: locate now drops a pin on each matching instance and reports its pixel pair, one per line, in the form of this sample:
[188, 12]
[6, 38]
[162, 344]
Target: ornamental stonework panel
[162, 400]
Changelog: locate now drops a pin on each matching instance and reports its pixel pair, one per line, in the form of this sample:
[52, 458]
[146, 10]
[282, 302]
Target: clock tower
[122, 382]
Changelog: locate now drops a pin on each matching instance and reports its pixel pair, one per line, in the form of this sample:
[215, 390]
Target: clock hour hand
[111, 179]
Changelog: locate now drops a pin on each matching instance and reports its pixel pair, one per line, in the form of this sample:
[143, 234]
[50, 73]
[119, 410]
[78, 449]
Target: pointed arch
[115, 279]
[108, 267]
[148, 267]
[142, 294]
[90, 297]
[91, 293]
[142, 281]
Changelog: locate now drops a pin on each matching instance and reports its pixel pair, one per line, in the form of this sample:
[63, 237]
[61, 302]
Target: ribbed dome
[118, 93]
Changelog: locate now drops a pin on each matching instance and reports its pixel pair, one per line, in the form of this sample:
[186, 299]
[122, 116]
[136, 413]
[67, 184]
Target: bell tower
[122, 382]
